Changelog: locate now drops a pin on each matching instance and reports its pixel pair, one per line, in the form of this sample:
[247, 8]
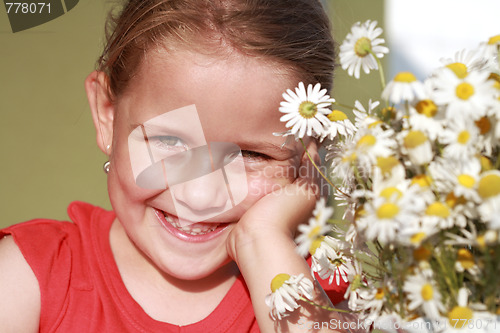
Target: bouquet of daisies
[418, 171]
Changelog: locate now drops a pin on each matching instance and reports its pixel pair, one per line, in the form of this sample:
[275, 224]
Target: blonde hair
[294, 33]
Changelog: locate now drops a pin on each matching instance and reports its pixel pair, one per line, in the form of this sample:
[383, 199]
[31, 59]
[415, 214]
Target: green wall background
[47, 140]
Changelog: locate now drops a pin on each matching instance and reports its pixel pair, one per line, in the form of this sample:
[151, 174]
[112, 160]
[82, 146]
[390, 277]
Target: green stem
[380, 69]
[320, 172]
[497, 162]
[444, 271]
[324, 307]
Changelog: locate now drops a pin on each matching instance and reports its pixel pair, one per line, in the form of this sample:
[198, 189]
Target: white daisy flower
[461, 138]
[343, 156]
[329, 261]
[425, 116]
[423, 186]
[339, 124]
[388, 172]
[465, 262]
[466, 98]
[423, 294]
[486, 127]
[416, 146]
[383, 218]
[439, 214]
[373, 144]
[489, 191]
[414, 234]
[286, 290]
[404, 88]
[365, 118]
[463, 319]
[357, 285]
[439, 170]
[490, 50]
[465, 61]
[465, 179]
[306, 110]
[371, 301]
[360, 45]
[316, 228]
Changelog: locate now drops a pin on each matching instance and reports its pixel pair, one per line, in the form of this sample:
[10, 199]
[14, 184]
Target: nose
[201, 197]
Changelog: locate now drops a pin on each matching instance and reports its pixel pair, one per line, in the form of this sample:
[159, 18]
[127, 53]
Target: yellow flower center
[375, 124]
[418, 238]
[427, 292]
[360, 211]
[438, 209]
[463, 137]
[414, 139]
[495, 77]
[484, 125]
[363, 47]
[386, 164]
[357, 282]
[494, 40]
[459, 317]
[389, 112]
[464, 90]
[466, 180]
[337, 115]
[465, 258]
[489, 186]
[350, 158]
[485, 163]
[405, 77]
[314, 232]
[380, 294]
[366, 140]
[427, 108]
[481, 241]
[421, 180]
[278, 281]
[389, 192]
[387, 210]
[421, 254]
[308, 109]
[315, 244]
[452, 200]
[459, 69]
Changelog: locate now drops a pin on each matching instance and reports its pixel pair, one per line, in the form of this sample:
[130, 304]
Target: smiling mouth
[193, 229]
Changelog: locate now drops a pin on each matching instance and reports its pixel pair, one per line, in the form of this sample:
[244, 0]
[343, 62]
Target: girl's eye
[252, 155]
[169, 142]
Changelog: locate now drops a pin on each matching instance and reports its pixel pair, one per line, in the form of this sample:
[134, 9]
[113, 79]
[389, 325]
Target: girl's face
[179, 101]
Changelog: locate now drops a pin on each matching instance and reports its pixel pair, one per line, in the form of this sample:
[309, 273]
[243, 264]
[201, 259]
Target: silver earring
[106, 167]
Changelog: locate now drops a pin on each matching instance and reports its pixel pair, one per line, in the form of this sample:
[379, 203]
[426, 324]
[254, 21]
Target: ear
[96, 86]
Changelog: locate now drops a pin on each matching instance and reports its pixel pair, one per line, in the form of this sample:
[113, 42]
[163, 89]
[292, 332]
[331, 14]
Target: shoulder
[20, 301]
[39, 261]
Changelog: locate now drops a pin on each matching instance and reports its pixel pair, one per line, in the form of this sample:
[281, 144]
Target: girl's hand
[262, 245]
[278, 213]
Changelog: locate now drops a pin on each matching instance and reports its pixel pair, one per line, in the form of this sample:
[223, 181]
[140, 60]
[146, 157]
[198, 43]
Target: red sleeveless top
[82, 290]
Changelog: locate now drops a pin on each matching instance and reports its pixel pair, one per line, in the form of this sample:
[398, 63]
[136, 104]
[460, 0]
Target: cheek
[269, 180]
[123, 190]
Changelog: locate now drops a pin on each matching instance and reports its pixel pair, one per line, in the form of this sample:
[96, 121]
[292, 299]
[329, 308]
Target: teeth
[188, 229]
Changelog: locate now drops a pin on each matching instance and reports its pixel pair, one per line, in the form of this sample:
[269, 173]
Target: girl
[205, 198]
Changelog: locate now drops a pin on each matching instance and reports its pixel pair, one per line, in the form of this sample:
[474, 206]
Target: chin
[195, 269]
